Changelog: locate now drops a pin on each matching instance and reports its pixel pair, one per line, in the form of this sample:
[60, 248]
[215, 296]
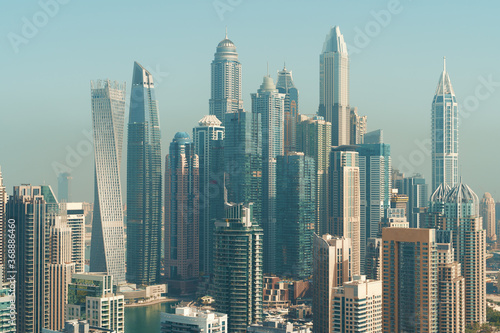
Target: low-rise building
[193, 320]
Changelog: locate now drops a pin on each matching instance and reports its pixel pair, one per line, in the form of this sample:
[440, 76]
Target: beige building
[487, 212]
[357, 306]
[332, 264]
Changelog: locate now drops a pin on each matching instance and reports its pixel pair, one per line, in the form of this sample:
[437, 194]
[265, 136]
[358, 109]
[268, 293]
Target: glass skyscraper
[208, 139]
[269, 103]
[182, 216]
[444, 133]
[285, 85]
[107, 251]
[334, 87]
[243, 159]
[296, 214]
[144, 205]
[226, 80]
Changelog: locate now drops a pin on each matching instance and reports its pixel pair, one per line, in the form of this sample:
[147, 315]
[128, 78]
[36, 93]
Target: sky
[51, 49]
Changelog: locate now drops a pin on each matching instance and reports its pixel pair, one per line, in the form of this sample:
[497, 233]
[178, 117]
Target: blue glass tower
[143, 182]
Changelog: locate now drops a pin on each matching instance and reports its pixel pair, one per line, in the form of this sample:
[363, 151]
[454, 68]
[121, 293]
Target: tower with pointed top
[226, 80]
[269, 103]
[334, 86]
[444, 133]
[286, 86]
[144, 211]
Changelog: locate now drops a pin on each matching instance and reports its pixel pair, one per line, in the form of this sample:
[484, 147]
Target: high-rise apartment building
[296, 214]
[375, 190]
[144, 205]
[181, 215]
[487, 212]
[269, 103]
[314, 139]
[418, 198]
[332, 266]
[358, 127]
[74, 214]
[345, 199]
[334, 87]
[357, 306]
[444, 133]
[285, 85]
[373, 260]
[409, 280]
[208, 140]
[91, 297]
[238, 267]
[107, 251]
[226, 81]
[243, 159]
[30, 212]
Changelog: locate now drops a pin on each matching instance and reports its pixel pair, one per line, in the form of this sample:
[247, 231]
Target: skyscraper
[417, 191]
[226, 80]
[296, 214]
[238, 267]
[487, 212]
[314, 139]
[373, 260]
[269, 103]
[285, 85]
[181, 215]
[409, 280]
[358, 127]
[3, 225]
[75, 219]
[332, 266]
[444, 133]
[144, 205]
[209, 146]
[107, 250]
[243, 159]
[345, 199]
[334, 86]
[64, 187]
[30, 214]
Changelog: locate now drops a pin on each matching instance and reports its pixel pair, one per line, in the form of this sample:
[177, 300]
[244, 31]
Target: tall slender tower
[334, 87]
[345, 199]
[208, 139]
[143, 182]
[314, 139]
[444, 133]
[182, 215]
[487, 211]
[226, 80]
[285, 86]
[107, 250]
[270, 104]
[64, 187]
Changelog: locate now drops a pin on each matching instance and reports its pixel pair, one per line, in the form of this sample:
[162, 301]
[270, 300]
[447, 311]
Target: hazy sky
[396, 50]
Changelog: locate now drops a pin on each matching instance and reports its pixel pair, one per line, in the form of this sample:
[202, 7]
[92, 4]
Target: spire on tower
[226, 31]
[444, 64]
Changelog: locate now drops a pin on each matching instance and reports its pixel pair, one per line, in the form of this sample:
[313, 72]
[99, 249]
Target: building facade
[285, 85]
[358, 127]
[416, 189]
[182, 215]
[296, 214]
[208, 140]
[238, 267]
[334, 87]
[107, 251]
[487, 212]
[74, 214]
[144, 204]
[314, 139]
[226, 81]
[193, 320]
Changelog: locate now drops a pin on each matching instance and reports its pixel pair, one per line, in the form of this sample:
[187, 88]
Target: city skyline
[301, 56]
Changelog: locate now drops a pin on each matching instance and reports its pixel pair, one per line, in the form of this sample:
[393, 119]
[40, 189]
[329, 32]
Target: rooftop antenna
[284, 65]
[444, 64]
[268, 68]
[226, 31]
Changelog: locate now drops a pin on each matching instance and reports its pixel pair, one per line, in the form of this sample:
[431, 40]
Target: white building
[187, 319]
[357, 306]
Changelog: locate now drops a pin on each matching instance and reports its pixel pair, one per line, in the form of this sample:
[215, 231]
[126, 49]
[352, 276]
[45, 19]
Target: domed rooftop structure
[267, 84]
[440, 193]
[226, 50]
[461, 193]
[182, 137]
